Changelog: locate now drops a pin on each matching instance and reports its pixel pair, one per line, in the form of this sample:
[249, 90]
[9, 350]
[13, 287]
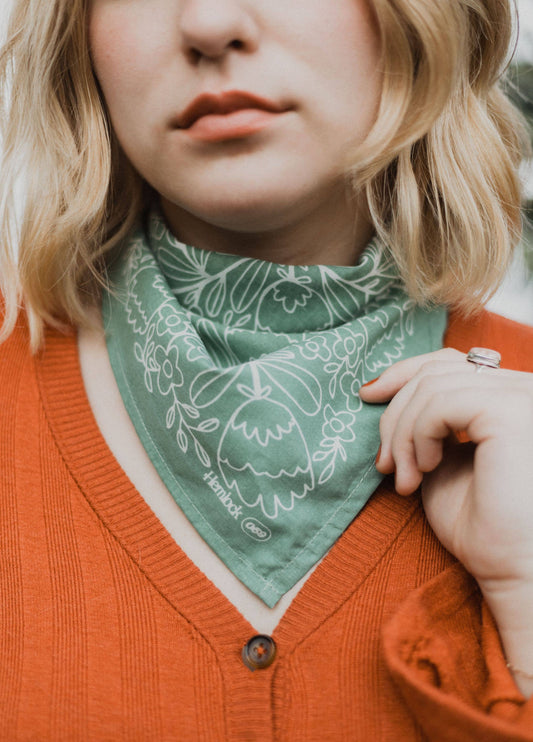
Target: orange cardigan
[109, 632]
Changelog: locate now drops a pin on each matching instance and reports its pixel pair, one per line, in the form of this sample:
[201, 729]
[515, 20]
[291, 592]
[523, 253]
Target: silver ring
[484, 357]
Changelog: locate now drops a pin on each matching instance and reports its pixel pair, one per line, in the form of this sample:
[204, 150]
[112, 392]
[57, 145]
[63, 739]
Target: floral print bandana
[241, 377]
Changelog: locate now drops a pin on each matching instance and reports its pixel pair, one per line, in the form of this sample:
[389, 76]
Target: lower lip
[237, 125]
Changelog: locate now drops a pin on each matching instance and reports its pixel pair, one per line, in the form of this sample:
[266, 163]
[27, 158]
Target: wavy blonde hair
[439, 168]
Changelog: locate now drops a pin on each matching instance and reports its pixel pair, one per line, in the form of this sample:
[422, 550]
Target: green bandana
[241, 378]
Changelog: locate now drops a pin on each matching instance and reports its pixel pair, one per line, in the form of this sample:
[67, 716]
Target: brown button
[259, 652]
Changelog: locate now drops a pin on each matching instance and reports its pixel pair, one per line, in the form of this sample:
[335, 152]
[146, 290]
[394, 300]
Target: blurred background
[515, 298]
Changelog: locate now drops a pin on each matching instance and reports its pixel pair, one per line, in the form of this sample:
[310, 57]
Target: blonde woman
[237, 214]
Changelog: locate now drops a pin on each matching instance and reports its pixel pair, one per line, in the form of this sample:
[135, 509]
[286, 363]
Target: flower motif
[195, 348]
[349, 385]
[292, 295]
[169, 322]
[316, 348]
[347, 349]
[338, 425]
[168, 371]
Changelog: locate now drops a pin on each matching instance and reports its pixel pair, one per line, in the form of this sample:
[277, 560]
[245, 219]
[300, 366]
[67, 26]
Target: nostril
[194, 56]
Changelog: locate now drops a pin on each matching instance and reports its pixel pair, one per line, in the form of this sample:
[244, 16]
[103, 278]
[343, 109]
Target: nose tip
[213, 28]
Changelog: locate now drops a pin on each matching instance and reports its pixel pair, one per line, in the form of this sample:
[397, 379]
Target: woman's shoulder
[19, 336]
[18, 392]
[15, 352]
[512, 339]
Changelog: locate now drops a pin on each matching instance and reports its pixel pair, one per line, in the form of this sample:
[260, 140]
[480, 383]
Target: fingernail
[378, 455]
[369, 383]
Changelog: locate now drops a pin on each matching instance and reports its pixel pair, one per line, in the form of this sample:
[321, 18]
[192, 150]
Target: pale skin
[152, 58]
[477, 497]
[278, 194]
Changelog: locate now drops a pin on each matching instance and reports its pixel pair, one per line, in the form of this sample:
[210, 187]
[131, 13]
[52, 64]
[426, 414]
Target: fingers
[394, 378]
[438, 400]
[434, 396]
[409, 404]
[386, 386]
[413, 440]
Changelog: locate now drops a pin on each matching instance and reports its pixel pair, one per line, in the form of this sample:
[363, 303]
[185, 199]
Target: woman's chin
[234, 212]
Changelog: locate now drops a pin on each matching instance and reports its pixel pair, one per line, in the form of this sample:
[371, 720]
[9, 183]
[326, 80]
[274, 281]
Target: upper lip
[224, 103]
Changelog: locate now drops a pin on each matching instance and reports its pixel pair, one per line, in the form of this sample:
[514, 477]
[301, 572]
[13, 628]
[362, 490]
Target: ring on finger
[484, 358]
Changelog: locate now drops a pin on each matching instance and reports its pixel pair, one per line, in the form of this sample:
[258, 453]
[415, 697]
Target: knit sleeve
[443, 651]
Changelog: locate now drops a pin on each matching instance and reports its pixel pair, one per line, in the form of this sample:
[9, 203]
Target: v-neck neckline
[126, 515]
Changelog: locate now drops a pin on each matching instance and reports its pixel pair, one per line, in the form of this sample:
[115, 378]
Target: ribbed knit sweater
[109, 632]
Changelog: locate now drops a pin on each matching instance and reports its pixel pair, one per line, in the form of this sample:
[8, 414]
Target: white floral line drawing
[197, 283]
[282, 372]
[264, 423]
[337, 430]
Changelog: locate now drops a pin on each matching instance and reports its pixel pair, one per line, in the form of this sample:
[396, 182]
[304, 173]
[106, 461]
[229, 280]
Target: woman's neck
[333, 233]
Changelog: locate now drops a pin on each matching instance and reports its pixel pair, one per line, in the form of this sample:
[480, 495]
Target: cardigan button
[259, 652]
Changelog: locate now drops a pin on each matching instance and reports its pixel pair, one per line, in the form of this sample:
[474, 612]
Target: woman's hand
[478, 496]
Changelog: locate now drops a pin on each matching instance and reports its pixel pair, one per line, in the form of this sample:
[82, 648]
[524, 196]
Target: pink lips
[227, 116]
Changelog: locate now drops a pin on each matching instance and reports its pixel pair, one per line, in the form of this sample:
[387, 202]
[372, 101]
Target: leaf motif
[300, 385]
[221, 352]
[209, 386]
[171, 417]
[181, 266]
[242, 321]
[344, 300]
[148, 382]
[181, 438]
[202, 454]
[191, 298]
[320, 455]
[249, 285]
[285, 354]
[191, 411]
[215, 298]
[208, 426]
[328, 472]
[139, 355]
